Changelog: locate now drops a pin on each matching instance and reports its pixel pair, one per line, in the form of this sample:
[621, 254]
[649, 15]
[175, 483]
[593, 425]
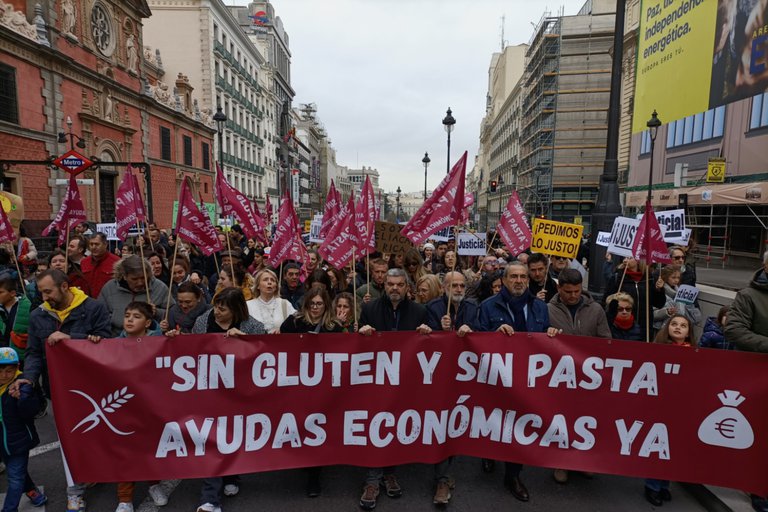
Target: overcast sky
[383, 74]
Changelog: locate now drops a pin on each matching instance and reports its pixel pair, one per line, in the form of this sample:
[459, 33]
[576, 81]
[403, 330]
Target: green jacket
[20, 328]
[747, 324]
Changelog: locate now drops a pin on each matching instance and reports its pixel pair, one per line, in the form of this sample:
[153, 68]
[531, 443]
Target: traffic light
[494, 183]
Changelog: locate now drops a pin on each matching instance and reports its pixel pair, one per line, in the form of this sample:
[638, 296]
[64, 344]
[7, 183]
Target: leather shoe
[653, 497]
[488, 465]
[517, 488]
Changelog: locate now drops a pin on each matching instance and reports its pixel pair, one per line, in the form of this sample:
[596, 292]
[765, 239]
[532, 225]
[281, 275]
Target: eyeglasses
[560, 258]
[316, 304]
[678, 257]
[625, 309]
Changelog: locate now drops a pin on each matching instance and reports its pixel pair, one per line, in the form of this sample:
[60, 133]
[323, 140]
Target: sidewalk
[730, 278]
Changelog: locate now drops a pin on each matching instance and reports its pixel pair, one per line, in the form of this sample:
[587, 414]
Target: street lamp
[425, 161]
[498, 197]
[220, 117]
[653, 127]
[397, 208]
[63, 137]
[448, 122]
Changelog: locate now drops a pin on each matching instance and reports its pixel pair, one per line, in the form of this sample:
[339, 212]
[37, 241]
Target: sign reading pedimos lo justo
[556, 238]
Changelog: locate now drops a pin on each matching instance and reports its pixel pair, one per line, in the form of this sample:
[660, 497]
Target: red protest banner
[513, 227]
[209, 405]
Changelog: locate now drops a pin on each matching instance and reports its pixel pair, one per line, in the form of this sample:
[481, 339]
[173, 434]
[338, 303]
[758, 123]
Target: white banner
[622, 236]
[682, 240]
[314, 229]
[442, 235]
[603, 238]
[110, 229]
[672, 224]
[471, 244]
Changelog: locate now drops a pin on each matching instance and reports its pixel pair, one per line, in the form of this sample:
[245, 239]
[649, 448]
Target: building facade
[224, 66]
[564, 112]
[76, 75]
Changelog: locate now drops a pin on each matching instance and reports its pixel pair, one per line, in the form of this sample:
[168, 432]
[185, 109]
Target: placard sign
[686, 294]
[603, 238]
[442, 235]
[556, 238]
[471, 244]
[389, 240]
[673, 221]
[110, 229]
[622, 236]
[314, 229]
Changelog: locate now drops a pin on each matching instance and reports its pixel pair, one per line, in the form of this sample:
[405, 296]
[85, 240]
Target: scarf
[78, 297]
[635, 275]
[624, 325]
[516, 306]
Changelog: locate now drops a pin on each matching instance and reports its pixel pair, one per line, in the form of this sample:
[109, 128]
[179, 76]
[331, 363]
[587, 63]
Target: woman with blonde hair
[428, 288]
[266, 306]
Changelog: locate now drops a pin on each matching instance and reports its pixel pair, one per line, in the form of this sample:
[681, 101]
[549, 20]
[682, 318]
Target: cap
[8, 356]
[429, 246]
[234, 253]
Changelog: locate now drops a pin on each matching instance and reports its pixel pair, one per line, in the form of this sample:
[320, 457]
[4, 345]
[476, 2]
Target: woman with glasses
[630, 278]
[687, 270]
[315, 316]
[414, 265]
[624, 326]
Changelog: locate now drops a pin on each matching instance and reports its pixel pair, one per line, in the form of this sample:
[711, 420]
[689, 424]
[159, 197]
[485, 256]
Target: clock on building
[102, 29]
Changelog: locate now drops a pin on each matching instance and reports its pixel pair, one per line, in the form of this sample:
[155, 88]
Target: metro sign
[73, 162]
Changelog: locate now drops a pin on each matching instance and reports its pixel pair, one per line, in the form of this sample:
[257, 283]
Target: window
[165, 143]
[187, 150]
[700, 127]
[759, 117]
[645, 142]
[8, 101]
[206, 156]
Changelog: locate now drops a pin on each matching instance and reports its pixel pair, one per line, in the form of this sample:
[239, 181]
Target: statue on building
[108, 106]
[69, 18]
[132, 53]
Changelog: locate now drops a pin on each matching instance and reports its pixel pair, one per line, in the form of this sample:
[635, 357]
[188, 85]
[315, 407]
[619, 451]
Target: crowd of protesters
[86, 291]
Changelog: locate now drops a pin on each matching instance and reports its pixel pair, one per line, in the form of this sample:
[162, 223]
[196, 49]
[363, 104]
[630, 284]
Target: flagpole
[141, 250]
[493, 239]
[354, 288]
[453, 269]
[229, 248]
[18, 269]
[66, 251]
[170, 281]
[647, 304]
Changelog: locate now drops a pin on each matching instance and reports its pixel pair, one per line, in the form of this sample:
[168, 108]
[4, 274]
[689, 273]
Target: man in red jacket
[99, 266]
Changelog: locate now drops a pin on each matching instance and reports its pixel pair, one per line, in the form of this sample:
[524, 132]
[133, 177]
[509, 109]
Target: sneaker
[43, 409]
[368, 499]
[124, 507]
[561, 476]
[231, 489]
[443, 492]
[208, 507]
[158, 495]
[37, 498]
[75, 504]
[392, 487]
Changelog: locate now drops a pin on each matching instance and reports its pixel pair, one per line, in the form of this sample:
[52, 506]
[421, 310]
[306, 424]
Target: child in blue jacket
[17, 427]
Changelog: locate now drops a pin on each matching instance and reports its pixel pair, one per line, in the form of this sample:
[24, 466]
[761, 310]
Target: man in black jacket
[391, 312]
[540, 281]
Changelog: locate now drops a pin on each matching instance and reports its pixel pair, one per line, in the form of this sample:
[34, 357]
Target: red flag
[342, 238]
[513, 227]
[194, 225]
[6, 230]
[330, 211]
[365, 219]
[260, 235]
[71, 212]
[287, 244]
[443, 208]
[234, 203]
[649, 242]
[129, 207]
[269, 210]
[469, 200]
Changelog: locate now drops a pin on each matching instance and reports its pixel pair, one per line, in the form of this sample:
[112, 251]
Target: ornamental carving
[16, 21]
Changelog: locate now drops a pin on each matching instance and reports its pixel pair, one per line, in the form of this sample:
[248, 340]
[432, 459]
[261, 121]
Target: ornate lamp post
[397, 208]
[426, 161]
[220, 117]
[448, 122]
[63, 137]
[653, 128]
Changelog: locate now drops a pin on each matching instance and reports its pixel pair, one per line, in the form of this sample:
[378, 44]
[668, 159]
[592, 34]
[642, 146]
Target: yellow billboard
[695, 55]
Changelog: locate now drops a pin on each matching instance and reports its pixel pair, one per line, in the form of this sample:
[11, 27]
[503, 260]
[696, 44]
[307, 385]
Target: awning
[708, 194]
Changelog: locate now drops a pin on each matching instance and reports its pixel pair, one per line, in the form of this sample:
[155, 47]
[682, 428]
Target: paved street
[284, 490]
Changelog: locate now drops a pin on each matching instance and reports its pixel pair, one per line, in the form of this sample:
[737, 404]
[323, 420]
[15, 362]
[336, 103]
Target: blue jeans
[211, 492]
[19, 480]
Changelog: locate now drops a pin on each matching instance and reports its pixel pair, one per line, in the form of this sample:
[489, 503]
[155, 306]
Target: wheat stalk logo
[109, 404]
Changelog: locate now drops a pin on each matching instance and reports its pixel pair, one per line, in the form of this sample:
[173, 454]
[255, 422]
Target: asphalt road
[284, 490]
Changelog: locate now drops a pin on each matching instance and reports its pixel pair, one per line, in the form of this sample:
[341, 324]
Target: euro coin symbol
[726, 428]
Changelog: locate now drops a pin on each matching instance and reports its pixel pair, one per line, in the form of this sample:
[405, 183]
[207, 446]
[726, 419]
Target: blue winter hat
[8, 356]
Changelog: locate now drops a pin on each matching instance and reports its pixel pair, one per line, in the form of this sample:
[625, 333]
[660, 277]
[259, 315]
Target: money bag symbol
[727, 427]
